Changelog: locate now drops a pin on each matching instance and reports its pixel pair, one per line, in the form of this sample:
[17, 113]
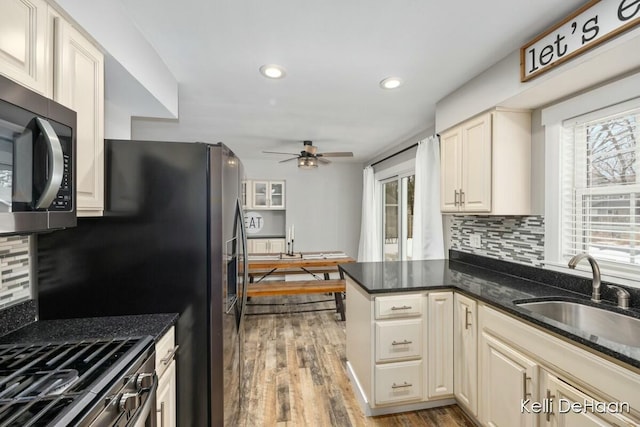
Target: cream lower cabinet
[166, 398]
[529, 377]
[465, 352]
[507, 377]
[566, 404]
[266, 246]
[399, 349]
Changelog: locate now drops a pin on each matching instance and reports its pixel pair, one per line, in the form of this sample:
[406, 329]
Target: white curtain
[428, 241]
[370, 248]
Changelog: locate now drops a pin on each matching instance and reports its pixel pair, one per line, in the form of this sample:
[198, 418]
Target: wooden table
[262, 266]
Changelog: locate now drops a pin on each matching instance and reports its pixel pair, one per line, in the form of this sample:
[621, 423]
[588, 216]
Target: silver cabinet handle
[550, 398]
[467, 312]
[461, 197]
[166, 360]
[525, 378]
[401, 342]
[405, 384]
[161, 412]
[455, 198]
[55, 164]
[404, 307]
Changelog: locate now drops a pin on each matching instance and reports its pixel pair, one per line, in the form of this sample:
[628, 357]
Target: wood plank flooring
[295, 371]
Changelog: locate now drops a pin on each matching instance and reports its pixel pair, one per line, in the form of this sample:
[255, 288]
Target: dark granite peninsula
[404, 317]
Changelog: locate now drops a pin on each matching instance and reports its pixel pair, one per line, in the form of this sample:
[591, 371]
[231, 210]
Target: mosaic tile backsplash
[517, 239]
[15, 270]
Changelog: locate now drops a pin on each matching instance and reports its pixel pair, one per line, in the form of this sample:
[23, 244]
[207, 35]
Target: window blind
[601, 187]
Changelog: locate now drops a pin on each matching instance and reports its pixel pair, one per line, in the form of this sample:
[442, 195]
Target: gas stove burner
[68, 383]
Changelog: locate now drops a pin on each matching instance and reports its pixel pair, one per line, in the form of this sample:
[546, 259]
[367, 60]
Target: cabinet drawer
[165, 351]
[398, 339]
[398, 382]
[398, 306]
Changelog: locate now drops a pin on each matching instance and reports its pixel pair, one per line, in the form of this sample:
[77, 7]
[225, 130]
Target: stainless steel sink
[592, 320]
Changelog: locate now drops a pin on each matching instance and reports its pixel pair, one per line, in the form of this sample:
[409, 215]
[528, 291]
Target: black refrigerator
[172, 240]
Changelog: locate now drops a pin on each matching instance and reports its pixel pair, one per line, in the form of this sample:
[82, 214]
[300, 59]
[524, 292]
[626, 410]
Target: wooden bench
[266, 272]
[300, 287]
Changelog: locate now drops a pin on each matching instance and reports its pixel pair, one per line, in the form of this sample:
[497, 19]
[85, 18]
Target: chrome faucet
[595, 293]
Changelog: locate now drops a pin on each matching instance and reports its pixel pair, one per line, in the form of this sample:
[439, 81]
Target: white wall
[324, 204]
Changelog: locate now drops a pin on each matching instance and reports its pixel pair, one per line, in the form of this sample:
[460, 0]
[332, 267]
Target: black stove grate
[38, 382]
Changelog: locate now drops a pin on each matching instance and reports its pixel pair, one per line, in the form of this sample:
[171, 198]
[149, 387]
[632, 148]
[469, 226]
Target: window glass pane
[409, 182]
[611, 151]
[391, 226]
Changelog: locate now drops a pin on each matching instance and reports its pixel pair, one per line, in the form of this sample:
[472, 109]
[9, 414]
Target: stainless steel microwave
[37, 162]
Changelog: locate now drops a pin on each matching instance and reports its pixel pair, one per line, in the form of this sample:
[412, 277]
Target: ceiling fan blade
[323, 161]
[336, 154]
[279, 152]
[288, 160]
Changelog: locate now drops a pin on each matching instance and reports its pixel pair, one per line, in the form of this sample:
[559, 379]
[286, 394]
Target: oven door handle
[143, 413]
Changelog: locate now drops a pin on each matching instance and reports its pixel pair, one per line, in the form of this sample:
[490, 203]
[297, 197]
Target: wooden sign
[592, 24]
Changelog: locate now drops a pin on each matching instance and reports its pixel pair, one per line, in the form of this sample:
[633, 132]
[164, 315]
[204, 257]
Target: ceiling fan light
[391, 83]
[273, 71]
[307, 162]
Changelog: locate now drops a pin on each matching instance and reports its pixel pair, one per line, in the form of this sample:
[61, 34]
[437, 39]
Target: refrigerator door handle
[245, 256]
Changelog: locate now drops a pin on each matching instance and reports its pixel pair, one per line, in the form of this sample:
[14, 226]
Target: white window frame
[618, 92]
[397, 172]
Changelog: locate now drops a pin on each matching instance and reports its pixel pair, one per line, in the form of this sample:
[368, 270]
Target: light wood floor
[295, 372]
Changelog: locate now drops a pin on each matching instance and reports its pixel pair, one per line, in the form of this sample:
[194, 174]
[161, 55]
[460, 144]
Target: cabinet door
[506, 378]
[79, 85]
[260, 197]
[276, 246]
[465, 346]
[166, 398]
[246, 194]
[23, 43]
[440, 344]
[260, 246]
[561, 395]
[450, 158]
[476, 165]
[276, 194]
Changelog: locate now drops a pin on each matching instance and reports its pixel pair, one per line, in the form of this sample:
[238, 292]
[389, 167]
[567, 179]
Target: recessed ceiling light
[391, 83]
[272, 71]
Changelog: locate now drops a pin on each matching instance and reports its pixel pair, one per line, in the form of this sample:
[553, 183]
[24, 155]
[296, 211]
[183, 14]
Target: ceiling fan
[309, 157]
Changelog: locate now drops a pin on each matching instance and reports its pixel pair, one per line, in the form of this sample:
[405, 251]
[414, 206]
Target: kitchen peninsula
[425, 333]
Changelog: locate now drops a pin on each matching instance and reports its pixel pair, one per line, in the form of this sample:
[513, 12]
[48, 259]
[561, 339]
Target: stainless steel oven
[91, 383]
[37, 161]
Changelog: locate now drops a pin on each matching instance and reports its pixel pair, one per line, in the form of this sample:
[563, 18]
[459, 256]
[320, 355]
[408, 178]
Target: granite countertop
[155, 325]
[497, 289]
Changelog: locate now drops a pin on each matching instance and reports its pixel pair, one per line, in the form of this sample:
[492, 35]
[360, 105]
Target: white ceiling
[335, 53]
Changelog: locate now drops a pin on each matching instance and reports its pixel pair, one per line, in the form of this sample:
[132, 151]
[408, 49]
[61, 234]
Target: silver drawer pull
[166, 360]
[405, 384]
[401, 342]
[404, 307]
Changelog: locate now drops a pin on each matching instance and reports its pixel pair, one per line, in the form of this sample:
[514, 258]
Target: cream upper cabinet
[507, 377]
[23, 44]
[465, 357]
[486, 165]
[79, 85]
[268, 195]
